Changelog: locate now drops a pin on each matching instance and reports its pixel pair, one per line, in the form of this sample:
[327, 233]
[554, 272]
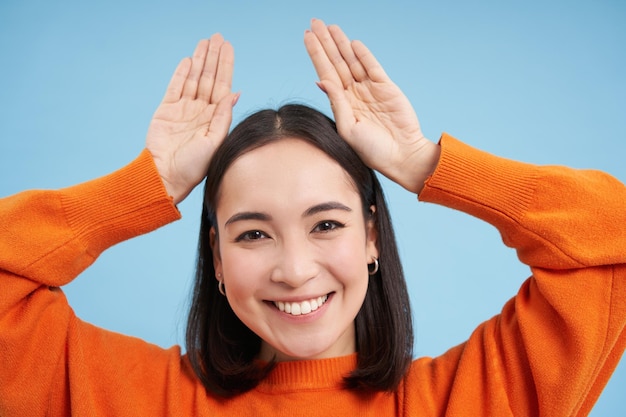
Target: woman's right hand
[194, 116]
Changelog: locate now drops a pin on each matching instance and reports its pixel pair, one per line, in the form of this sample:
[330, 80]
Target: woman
[253, 216]
[294, 262]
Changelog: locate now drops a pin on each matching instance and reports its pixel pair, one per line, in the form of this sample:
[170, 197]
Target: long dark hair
[221, 349]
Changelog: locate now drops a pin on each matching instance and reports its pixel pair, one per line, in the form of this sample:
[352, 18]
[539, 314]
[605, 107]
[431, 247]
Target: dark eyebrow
[318, 208]
[248, 215]
[328, 206]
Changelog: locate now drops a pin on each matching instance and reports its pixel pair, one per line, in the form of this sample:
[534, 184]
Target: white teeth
[296, 310]
[304, 307]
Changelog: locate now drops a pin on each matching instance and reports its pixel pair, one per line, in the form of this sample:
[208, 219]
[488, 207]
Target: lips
[302, 307]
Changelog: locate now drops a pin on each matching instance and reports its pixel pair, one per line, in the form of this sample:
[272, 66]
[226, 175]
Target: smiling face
[293, 249]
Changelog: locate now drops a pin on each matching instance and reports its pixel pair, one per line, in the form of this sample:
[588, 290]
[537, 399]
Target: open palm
[194, 116]
[371, 112]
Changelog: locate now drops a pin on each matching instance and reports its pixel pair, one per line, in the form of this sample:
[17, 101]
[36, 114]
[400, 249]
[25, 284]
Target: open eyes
[327, 226]
[250, 236]
[321, 227]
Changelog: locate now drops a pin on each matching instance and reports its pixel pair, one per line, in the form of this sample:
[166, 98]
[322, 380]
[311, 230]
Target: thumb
[222, 117]
[339, 104]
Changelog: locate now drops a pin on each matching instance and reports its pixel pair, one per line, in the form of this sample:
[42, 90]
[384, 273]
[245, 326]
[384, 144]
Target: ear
[371, 233]
[215, 249]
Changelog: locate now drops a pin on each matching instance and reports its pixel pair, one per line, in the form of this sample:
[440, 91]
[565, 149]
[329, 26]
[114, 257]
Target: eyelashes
[251, 235]
[327, 226]
[323, 227]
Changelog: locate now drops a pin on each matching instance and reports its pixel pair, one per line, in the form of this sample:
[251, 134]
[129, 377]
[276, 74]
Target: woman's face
[293, 249]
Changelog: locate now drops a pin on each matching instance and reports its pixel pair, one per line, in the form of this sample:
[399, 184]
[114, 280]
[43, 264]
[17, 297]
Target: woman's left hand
[371, 112]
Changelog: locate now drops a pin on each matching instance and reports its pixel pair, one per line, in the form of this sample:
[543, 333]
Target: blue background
[537, 81]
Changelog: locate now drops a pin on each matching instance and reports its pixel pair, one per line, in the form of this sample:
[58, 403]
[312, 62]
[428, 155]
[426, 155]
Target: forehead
[286, 171]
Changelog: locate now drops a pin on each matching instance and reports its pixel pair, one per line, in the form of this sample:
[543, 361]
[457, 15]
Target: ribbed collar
[309, 374]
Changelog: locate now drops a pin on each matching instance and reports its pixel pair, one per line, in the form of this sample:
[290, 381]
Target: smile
[301, 308]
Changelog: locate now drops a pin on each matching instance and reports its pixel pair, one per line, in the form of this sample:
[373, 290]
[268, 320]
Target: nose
[296, 263]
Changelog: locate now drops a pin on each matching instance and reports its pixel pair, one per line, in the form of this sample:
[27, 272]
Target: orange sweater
[549, 352]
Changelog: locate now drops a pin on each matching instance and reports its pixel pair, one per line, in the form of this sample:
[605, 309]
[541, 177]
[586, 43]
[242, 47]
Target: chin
[306, 351]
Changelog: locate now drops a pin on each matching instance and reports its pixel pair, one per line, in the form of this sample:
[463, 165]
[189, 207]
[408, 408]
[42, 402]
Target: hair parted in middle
[221, 349]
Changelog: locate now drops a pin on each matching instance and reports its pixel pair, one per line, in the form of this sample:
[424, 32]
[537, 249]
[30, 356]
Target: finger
[339, 104]
[175, 87]
[370, 64]
[209, 68]
[224, 78]
[332, 52]
[222, 118]
[197, 63]
[323, 67]
[345, 49]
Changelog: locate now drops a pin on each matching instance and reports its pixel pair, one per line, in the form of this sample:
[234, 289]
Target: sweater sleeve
[554, 346]
[50, 358]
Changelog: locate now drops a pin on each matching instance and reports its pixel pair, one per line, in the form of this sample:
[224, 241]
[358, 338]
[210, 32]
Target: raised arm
[47, 238]
[371, 112]
[554, 346]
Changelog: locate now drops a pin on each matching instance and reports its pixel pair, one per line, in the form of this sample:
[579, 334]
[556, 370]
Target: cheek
[348, 261]
[243, 274]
